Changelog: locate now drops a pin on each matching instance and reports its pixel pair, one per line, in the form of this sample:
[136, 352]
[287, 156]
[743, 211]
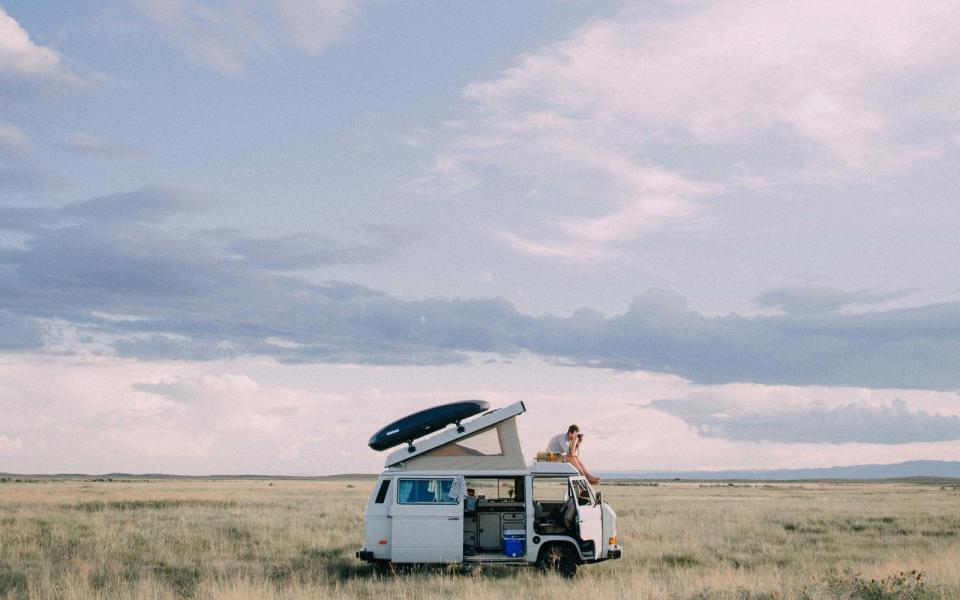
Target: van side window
[382, 492]
[424, 491]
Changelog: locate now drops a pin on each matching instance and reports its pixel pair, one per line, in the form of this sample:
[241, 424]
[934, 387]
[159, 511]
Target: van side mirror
[599, 498]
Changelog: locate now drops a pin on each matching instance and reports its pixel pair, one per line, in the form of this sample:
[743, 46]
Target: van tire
[383, 567]
[558, 558]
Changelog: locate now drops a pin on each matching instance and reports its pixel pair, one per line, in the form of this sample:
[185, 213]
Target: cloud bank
[813, 299]
[227, 36]
[88, 145]
[13, 142]
[20, 56]
[201, 295]
[649, 118]
[26, 64]
[892, 423]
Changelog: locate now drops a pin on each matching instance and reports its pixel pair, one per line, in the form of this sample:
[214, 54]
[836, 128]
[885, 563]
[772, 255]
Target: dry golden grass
[263, 540]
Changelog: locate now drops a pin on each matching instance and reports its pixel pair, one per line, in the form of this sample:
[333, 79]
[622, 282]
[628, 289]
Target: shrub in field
[738, 594]
[11, 582]
[905, 585]
[679, 560]
[99, 506]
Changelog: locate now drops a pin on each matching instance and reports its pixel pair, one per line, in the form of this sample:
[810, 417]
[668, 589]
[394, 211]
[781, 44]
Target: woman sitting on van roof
[568, 444]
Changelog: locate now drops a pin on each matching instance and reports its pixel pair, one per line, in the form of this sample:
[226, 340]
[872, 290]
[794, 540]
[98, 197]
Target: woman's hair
[573, 429]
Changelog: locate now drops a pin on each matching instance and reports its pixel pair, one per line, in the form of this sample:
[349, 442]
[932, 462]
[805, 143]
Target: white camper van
[466, 495]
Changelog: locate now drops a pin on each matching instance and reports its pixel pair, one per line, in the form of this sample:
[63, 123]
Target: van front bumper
[614, 552]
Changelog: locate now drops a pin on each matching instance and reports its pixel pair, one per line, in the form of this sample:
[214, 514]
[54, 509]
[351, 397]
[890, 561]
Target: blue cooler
[513, 540]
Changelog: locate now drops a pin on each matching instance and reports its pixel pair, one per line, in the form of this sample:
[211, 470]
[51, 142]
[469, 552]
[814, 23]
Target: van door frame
[589, 517]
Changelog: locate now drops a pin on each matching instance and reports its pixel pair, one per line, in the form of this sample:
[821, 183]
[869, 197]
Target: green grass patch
[680, 560]
[11, 581]
[124, 505]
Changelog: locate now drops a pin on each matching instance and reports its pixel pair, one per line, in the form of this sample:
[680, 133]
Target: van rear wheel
[383, 567]
[558, 558]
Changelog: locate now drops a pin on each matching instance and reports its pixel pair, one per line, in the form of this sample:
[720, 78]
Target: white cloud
[116, 318]
[221, 38]
[10, 445]
[82, 143]
[446, 175]
[736, 67]
[790, 88]
[315, 24]
[281, 343]
[549, 249]
[13, 142]
[852, 422]
[19, 56]
[227, 36]
[231, 403]
[803, 299]
[99, 414]
[659, 196]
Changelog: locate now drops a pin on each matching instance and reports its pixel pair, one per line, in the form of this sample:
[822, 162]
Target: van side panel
[427, 524]
[376, 521]
[531, 547]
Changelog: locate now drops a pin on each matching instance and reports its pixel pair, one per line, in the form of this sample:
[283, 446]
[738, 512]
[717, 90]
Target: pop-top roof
[486, 442]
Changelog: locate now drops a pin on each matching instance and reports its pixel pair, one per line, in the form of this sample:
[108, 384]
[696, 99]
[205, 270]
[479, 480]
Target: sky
[240, 236]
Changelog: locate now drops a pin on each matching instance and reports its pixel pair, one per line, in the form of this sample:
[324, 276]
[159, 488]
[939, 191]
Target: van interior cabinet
[489, 534]
[513, 521]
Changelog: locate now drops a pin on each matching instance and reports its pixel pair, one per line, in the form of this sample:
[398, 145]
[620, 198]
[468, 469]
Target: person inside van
[568, 444]
[470, 504]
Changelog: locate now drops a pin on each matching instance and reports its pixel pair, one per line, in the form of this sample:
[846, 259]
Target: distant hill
[914, 469]
[909, 469]
[129, 476]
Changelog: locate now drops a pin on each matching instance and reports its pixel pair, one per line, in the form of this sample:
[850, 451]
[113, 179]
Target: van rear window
[382, 492]
[425, 491]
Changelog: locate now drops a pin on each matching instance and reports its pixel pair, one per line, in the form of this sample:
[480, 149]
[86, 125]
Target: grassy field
[295, 539]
